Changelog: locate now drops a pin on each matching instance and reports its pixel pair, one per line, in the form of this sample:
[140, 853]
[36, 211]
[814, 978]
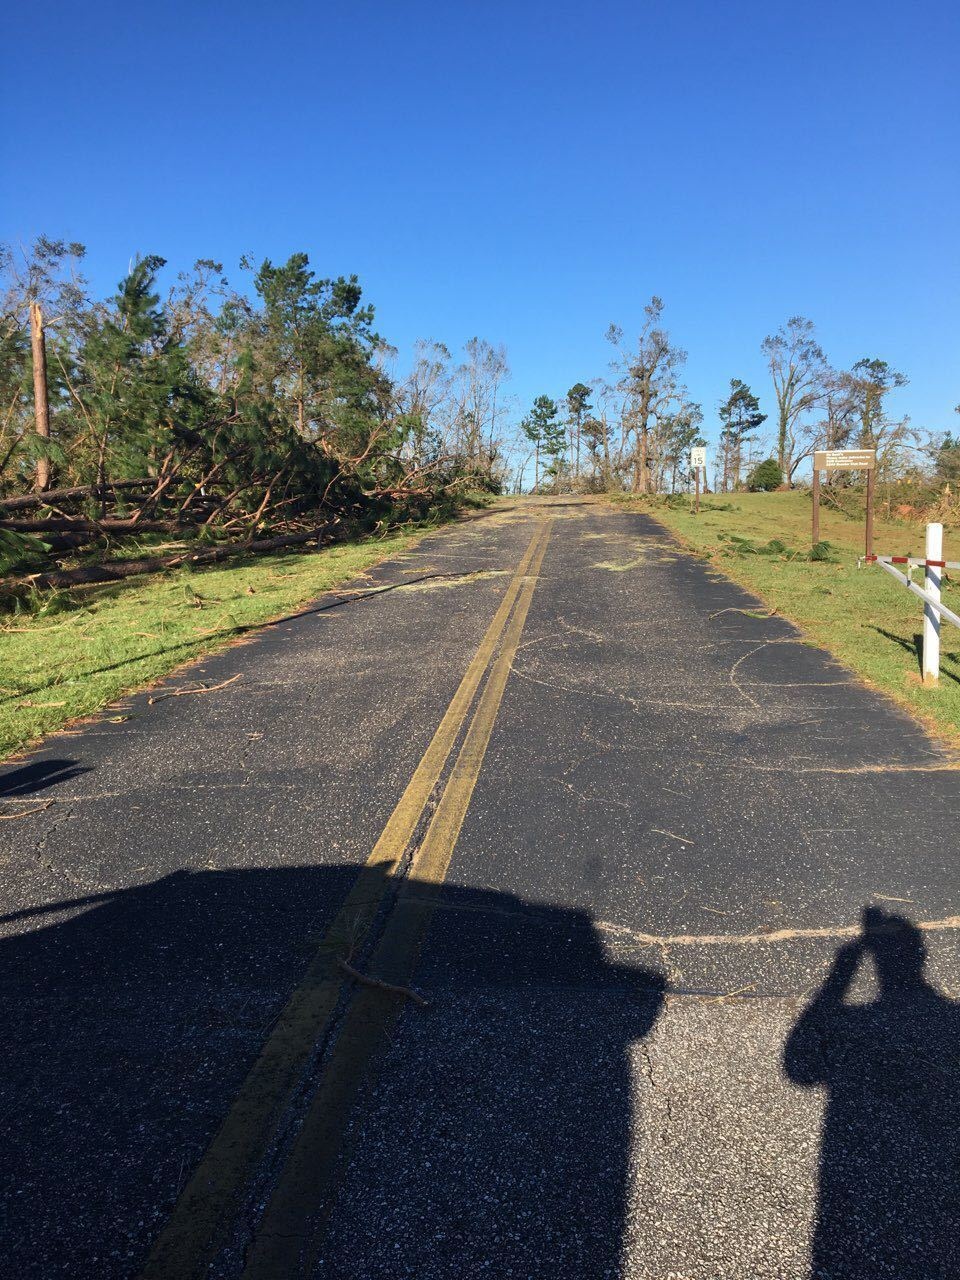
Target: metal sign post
[845, 460]
[698, 459]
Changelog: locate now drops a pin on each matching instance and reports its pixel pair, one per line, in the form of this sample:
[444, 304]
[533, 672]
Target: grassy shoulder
[868, 621]
[83, 651]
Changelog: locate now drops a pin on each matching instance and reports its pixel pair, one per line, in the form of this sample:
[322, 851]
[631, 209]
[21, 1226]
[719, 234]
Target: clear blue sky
[528, 172]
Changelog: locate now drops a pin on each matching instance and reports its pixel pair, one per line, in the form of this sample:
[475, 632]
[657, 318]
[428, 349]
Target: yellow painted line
[433, 858]
[200, 1218]
[290, 1231]
[403, 821]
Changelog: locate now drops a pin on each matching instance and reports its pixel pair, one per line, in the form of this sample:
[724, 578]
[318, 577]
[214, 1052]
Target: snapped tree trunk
[41, 403]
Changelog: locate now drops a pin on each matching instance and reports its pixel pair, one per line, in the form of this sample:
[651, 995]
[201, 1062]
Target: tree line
[229, 415]
[633, 429]
[268, 414]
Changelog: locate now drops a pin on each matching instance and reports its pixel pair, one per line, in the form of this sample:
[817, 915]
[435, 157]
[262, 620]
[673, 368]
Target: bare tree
[648, 376]
[839, 405]
[479, 398]
[520, 468]
[601, 432]
[213, 320]
[798, 368]
[423, 398]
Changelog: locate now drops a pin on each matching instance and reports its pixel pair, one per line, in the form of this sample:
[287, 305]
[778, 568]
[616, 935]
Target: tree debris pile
[139, 433]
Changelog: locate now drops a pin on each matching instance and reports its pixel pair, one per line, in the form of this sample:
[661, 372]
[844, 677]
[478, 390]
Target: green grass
[867, 620]
[78, 653]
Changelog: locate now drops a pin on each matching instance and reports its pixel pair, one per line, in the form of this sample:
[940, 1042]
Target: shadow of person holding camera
[889, 1188]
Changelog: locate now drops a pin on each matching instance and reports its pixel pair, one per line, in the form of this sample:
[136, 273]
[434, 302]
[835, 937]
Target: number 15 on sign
[698, 459]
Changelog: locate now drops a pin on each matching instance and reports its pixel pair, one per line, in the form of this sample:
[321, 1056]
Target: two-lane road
[618, 829]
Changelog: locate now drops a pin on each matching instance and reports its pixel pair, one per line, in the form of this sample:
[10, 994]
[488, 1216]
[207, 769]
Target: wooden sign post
[816, 505]
[845, 460]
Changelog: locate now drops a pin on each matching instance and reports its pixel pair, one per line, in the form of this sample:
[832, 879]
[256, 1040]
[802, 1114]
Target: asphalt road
[567, 785]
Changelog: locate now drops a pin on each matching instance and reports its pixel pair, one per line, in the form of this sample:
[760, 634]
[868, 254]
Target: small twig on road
[750, 613]
[672, 834]
[367, 981]
[27, 813]
[727, 995]
[204, 688]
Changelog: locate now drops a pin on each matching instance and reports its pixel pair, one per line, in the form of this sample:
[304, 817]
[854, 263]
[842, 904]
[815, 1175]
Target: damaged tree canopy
[243, 421]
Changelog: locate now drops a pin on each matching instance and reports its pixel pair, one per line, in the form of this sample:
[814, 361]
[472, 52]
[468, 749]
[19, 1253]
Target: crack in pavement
[753, 939]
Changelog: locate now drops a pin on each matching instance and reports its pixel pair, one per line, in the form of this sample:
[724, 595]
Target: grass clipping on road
[80, 652]
[868, 621]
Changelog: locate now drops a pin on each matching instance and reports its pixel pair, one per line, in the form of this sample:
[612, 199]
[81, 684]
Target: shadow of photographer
[889, 1182]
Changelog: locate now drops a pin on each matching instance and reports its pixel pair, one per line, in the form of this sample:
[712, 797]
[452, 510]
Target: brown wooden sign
[845, 460]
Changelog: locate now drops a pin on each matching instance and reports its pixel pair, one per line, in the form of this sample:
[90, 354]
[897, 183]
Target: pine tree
[545, 433]
[578, 404]
[740, 417]
[313, 353]
[134, 388]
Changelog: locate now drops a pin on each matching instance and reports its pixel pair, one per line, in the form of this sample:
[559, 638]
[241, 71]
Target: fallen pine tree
[27, 501]
[354, 522]
[118, 570]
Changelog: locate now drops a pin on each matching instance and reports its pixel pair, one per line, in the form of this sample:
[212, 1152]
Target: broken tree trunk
[41, 403]
[112, 524]
[28, 500]
[118, 570]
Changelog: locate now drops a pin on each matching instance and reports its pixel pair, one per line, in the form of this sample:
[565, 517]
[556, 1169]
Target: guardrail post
[931, 618]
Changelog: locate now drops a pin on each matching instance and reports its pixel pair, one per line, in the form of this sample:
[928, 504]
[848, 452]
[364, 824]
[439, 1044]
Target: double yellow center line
[202, 1216]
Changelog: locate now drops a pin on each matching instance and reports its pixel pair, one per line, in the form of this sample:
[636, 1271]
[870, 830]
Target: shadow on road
[889, 1191]
[38, 775]
[497, 1140]
[132, 1017]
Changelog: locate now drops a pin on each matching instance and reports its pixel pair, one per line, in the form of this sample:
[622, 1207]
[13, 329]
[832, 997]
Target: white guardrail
[933, 608]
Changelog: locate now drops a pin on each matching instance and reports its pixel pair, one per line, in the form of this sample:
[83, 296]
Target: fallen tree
[99, 491]
[118, 570]
[264, 424]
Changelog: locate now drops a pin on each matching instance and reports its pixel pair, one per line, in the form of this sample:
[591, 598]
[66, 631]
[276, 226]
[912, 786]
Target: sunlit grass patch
[80, 651]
